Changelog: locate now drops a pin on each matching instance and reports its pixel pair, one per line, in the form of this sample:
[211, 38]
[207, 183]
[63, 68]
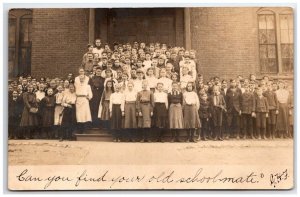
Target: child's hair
[192, 86]
[112, 87]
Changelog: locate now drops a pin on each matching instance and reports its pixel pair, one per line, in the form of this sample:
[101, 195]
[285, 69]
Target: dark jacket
[233, 100]
[261, 104]
[272, 99]
[204, 110]
[247, 103]
[221, 102]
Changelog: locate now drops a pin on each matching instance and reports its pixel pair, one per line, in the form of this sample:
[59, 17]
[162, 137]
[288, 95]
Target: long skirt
[58, 114]
[191, 117]
[145, 120]
[48, 117]
[130, 115]
[83, 112]
[28, 119]
[175, 116]
[116, 118]
[105, 110]
[160, 114]
[69, 117]
[283, 117]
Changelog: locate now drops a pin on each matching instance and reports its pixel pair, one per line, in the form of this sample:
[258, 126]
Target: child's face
[60, 89]
[139, 64]
[140, 75]
[50, 92]
[109, 84]
[124, 77]
[154, 62]
[175, 86]
[159, 87]
[144, 86]
[204, 97]
[216, 90]
[189, 87]
[259, 92]
[117, 88]
[150, 72]
[163, 73]
[130, 87]
[15, 93]
[148, 56]
[72, 88]
[174, 77]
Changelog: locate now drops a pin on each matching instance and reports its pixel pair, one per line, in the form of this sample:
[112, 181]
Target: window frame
[277, 12]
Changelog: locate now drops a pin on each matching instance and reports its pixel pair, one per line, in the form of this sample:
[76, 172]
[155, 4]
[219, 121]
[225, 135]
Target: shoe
[192, 140]
[115, 140]
[259, 137]
[188, 140]
[172, 140]
[244, 137]
[60, 139]
[142, 140]
[238, 137]
[118, 140]
[264, 137]
[252, 137]
[177, 140]
[220, 139]
[205, 139]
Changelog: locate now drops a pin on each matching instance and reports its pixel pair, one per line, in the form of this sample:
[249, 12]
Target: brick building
[229, 41]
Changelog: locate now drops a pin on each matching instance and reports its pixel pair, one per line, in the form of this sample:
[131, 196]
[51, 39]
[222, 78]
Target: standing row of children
[140, 91]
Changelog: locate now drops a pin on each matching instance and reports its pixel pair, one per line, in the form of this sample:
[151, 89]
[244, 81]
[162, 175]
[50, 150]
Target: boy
[261, 108]
[247, 109]
[204, 114]
[217, 106]
[273, 109]
[15, 108]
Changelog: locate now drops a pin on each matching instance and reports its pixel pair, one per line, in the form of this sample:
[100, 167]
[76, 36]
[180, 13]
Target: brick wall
[59, 39]
[226, 41]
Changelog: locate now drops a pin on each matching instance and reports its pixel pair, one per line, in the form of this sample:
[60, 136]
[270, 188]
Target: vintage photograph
[150, 98]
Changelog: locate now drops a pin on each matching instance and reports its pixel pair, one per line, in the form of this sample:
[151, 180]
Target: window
[276, 41]
[19, 39]
[287, 42]
[267, 43]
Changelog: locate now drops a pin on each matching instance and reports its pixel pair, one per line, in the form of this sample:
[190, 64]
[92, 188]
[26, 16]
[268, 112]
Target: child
[218, 105]
[284, 100]
[130, 123]
[83, 112]
[261, 108]
[47, 109]
[175, 99]
[185, 78]
[138, 81]
[103, 112]
[58, 108]
[273, 109]
[160, 110]
[152, 80]
[167, 83]
[145, 103]
[191, 106]
[15, 107]
[68, 122]
[247, 109]
[116, 109]
[204, 114]
[29, 120]
[123, 84]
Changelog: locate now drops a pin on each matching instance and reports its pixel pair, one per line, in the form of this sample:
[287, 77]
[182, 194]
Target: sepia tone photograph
[160, 98]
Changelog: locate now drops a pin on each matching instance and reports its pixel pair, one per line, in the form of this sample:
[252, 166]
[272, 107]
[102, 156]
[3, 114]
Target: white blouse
[191, 98]
[117, 98]
[161, 97]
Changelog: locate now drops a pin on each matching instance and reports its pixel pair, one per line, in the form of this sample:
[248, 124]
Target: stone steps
[96, 134]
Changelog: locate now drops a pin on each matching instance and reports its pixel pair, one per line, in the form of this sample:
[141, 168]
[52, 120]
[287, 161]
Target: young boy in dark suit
[233, 104]
[261, 108]
[217, 106]
[247, 109]
[204, 114]
[15, 108]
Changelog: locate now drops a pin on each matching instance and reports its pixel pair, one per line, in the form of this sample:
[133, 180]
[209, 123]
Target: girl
[284, 100]
[116, 109]
[103, 112]
[185, 78]
[152, 80]
[175, 99]
[167, 83]
[68, 121]
[29, 119]
[160, 110]
[130, 122]
[83, 112]
[190, 111]
[145, 103]
[58, 108]
[47, 109]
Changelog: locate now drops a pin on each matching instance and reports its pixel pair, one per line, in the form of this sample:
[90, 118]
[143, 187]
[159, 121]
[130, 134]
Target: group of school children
[141, 92]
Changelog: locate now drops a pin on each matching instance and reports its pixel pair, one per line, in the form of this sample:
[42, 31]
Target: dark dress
[29, 119]
[47, 109]
[15, 107]
[97, 86]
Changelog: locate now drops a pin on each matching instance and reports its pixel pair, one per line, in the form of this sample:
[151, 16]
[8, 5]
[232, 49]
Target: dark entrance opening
[164, 25]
